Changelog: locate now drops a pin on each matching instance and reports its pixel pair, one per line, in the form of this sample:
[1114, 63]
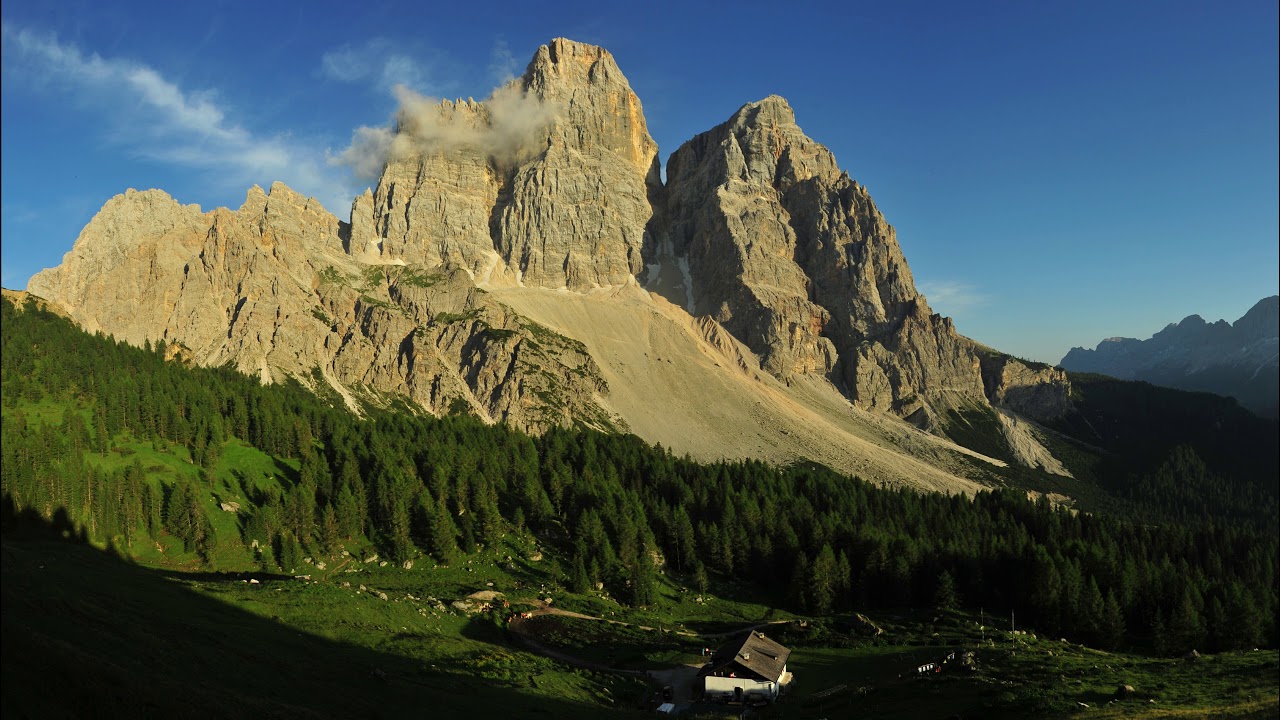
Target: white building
[749, 668]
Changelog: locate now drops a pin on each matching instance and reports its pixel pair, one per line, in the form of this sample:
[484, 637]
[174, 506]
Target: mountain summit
[1240, 359]
[547, 183]
[521, 259]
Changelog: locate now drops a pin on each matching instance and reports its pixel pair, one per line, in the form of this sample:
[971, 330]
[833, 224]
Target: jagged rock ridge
[270, 289]
[793, 257]
[1240, 359]
[551, 183]
[565, 204]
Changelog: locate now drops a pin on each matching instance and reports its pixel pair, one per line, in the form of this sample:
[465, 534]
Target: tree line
[618, 511]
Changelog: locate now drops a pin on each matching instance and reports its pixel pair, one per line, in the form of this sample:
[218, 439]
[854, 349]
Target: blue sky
[1058, 172]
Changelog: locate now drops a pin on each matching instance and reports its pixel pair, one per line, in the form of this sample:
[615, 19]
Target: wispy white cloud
[154, 117]
[508, 125]
[376, 61]
[952, 298]
[502, 64]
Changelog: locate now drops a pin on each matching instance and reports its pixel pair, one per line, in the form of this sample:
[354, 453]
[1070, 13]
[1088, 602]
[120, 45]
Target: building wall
[725, 686]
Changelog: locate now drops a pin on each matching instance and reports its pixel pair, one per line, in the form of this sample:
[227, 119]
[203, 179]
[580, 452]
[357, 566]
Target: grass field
[86, 632]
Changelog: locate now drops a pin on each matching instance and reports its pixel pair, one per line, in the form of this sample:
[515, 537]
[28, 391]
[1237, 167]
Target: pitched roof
[756, 653]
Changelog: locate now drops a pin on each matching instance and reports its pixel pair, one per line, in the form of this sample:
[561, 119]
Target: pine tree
[1186, 629]
[944, 594]
[643, 591]
[823, 581]
[1112, 629]
[800, 597]
[330, 532]
[444, 535]
[347, 514]
[1244, 621]
[686, 554]
[289, 552]
[700, 579]
[578, 580]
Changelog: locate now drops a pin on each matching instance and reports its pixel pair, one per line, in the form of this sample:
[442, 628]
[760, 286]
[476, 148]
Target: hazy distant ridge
[1240, 359]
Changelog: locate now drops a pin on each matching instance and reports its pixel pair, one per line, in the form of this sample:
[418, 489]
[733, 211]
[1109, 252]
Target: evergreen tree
[578, 580]
[347, 514]
[823, 581]
[700, 579]
[643, 591]
[944, 594]
[1186, 629]
[1113, 626]
[289, 552]
[1244, 627]
[444, 535]
[330, 532]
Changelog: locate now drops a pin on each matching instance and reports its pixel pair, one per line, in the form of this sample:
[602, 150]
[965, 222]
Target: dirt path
[544, 609]
[679, 677]
[516, 626]
[712, 636]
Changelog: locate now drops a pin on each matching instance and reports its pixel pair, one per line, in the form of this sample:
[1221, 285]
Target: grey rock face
[792, 256]
[269, 288]
[552, 182]
[551, 177]
[1037, 391]
[432, 204]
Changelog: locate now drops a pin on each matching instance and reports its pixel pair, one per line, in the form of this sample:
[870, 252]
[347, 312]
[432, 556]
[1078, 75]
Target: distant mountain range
[1240, 359]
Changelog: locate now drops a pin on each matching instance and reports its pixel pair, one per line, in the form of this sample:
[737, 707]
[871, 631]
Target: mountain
[1239, 360]
[521, 259]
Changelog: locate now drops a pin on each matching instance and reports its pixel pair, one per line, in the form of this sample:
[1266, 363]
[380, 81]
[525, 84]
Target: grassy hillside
[362, 533]
[89, 634]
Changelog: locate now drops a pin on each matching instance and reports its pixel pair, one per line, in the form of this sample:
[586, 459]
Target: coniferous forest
[76, 408]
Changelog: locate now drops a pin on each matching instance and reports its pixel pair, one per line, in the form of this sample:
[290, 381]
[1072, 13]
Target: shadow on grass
[87, 634]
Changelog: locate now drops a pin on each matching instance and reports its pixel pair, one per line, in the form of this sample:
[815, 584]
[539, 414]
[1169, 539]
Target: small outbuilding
[749, 669]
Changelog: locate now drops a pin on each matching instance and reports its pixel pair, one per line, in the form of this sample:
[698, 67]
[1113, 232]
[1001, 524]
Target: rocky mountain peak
[1236, 359]
[435, 291]
[457, 194]
[793, 257]
[1262, 321]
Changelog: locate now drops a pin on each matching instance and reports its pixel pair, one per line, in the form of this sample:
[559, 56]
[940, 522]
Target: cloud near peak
[509, 122]
[378, 62]
[154, 117]
[950, 297]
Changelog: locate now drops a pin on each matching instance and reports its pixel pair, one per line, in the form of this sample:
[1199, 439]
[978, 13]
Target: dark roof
[755, 652]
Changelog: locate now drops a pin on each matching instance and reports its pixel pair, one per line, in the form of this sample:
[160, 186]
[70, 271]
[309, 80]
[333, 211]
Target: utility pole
[1013, 626]
[982, 623]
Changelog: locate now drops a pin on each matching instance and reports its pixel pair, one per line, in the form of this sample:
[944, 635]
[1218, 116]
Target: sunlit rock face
[551, 183]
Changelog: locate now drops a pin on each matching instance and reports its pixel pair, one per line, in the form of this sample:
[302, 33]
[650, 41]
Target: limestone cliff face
[1039, 392]
[231, 286]
[547, 183]
[100, 280]
[432, 206]
[270, 289]
[552, 182]
[792, 256]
